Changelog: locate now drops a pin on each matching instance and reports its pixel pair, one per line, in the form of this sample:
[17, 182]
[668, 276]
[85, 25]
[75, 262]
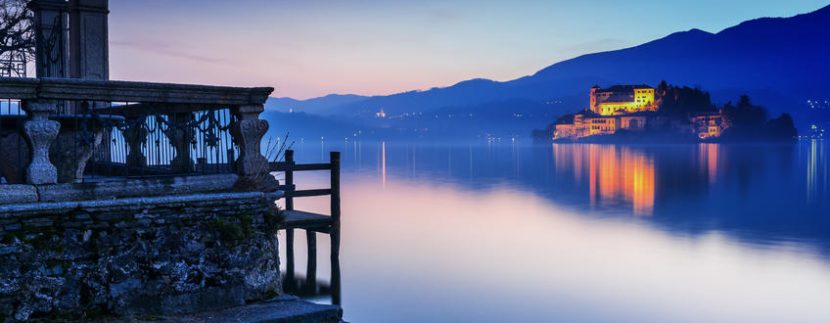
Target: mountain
[325, 105]
[780, 62]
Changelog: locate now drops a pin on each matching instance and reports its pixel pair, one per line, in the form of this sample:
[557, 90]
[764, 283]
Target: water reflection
[755, 193]
[614, 174]
[817, 172]
[419, 252]
[709, 159]
[512, 232]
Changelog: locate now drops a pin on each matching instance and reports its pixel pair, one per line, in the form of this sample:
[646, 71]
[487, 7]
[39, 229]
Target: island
[667, 113]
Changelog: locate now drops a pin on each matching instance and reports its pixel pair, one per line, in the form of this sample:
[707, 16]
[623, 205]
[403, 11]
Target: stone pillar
[39, 132]
[51, 25]
[135, 135]
[247, 132]
[181, 134]
[88, 39]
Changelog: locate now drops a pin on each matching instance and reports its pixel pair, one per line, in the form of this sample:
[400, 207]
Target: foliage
[233, 228]
[745, 113]
[782, 127]
[681, 101]
[264, 179]
[275, 150]
[748, 122]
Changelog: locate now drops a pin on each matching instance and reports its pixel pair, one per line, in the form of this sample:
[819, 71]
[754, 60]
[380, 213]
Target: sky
[310, 48]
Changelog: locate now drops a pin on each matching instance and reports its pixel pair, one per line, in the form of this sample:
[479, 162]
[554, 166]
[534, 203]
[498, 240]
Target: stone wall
[137, 256]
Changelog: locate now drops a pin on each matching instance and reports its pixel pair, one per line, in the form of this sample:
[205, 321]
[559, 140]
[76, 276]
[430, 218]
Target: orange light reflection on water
[614, 174]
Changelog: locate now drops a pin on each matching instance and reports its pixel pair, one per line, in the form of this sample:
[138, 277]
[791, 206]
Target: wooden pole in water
[335, 228]
[289, 179]
[289, 205]
[311, 268]
[289, 255]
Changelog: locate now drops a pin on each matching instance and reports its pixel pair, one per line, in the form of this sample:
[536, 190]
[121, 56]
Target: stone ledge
[284, 309]
[126, 91]
[18, 193]
[127, 204]
[136, 187]
[123, 188]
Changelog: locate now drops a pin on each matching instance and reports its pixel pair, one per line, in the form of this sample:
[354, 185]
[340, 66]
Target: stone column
[88, 39]
[51, 25]
[248, 132]
[181, 134]
[39, 132]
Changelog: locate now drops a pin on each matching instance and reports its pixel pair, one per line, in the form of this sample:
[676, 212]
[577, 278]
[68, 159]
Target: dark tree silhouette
[782, 127]
[745, 113]
[16, 34]
[681, 101]
[748, 122]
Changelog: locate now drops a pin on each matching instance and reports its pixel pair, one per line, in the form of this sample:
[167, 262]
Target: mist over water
[472, 231]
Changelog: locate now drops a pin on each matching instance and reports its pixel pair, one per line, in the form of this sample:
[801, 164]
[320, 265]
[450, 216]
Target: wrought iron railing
[150, 142]
[127, 129]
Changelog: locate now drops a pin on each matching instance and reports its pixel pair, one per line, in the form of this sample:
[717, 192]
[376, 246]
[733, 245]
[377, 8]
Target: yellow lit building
[601, 125]
[590, 124]
[632, 108]
[708, 125]
[564, 130]
[622, 99]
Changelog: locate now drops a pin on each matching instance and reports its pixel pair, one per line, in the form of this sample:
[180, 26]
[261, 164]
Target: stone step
[288, 309]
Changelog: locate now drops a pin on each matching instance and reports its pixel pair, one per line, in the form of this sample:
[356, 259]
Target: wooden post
[289, 179]
[289, 254]
[335, 266]
[335, 186]
[289, 205]
[335, 229]
[311, 268]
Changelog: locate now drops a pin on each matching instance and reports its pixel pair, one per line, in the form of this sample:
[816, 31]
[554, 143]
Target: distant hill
[780, 62]
[325, 105]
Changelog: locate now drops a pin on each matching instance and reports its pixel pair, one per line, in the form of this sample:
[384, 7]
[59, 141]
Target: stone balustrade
[42, 98]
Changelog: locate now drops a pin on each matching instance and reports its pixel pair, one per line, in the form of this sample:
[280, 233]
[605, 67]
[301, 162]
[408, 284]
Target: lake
[511, 232]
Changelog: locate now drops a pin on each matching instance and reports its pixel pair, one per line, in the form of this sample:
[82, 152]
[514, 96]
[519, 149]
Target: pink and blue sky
[309, 48]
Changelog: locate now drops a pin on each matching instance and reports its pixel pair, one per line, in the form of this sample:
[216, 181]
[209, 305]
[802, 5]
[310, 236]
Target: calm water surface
[509, 232]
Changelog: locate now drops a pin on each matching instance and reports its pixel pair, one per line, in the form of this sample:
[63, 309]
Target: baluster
[180, 132]
[39, 132]
[135, 134]
[248, 132]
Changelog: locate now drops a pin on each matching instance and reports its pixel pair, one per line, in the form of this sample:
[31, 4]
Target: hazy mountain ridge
[780, 62]
[324, 105]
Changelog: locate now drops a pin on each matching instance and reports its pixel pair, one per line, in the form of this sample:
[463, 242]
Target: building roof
[565, 119]
[625, 88]
[588, 114]
[639, 114]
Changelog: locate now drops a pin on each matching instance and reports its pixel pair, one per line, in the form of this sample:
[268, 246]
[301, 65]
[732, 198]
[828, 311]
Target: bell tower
[593, 105]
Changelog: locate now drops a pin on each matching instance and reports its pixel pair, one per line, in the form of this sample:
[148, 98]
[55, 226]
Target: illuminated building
[601, 126]
[590, 124]
[632, 108]
[622, 99]
[708, 125]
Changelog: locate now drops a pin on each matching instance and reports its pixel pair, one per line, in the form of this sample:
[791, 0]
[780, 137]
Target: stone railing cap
[129, 91]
